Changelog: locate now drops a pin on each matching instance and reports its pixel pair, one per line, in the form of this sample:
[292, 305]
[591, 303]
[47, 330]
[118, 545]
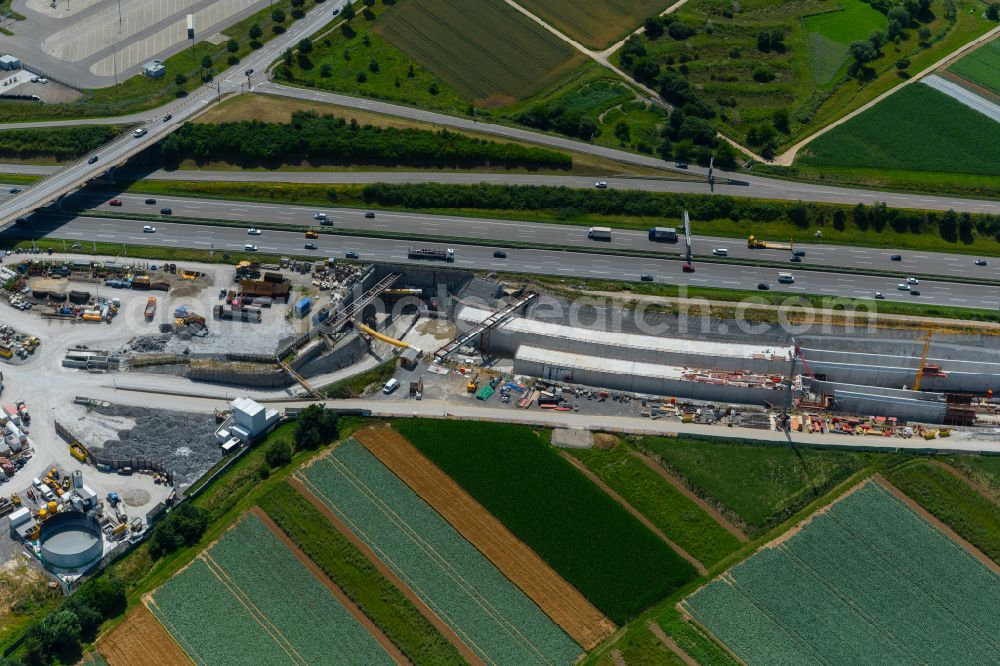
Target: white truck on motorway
[599, 233]
[440, 253]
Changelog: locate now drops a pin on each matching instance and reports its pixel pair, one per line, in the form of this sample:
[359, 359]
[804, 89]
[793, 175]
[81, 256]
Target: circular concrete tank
[71, 540]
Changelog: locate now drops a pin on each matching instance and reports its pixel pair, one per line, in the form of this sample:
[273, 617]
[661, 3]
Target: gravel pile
[184, 442]
[147, 344]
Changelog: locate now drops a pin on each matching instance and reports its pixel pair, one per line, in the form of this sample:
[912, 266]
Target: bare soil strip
[617, 659]
[631, 509]
[671, 645]
[926, 515]
[558, 599]
[349, 605]
[424, 609]
[141, 641]
[684, 490]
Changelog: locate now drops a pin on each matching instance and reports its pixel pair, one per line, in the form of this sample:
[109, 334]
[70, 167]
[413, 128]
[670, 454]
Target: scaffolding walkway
[485, 325]
[358, 305]
[312, 392]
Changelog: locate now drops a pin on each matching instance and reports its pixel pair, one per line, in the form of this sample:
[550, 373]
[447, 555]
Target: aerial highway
[159, 123]
[540, 262]
[402, 223]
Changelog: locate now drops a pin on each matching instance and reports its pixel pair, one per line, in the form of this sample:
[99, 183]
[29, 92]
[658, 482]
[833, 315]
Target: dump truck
[438, 253]
[663, 234]
[312, 234]
[150, 308]
[599, 233]
[755, 243]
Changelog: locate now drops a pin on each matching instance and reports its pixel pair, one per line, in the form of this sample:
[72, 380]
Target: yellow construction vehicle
[755, 243]
[15, 499]
[77, 451]
[473, 384]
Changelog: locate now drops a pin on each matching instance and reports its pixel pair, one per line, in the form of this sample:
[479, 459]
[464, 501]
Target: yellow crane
[923, 359]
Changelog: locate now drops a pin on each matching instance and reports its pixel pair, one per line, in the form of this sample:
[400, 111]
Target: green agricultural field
[677, 516]
[494, 55]
[918, 129]
[982, 66]
[831, 33]
[952, 501]
[583, 534]
[494, 618]
[724, 64]
[353, 573]
[596, 25]
[866, 581]
[756, 486]
[984, 471]
[250, 601]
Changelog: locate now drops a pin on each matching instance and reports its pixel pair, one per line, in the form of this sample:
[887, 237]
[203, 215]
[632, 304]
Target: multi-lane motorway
[542, 262]
[875, 260]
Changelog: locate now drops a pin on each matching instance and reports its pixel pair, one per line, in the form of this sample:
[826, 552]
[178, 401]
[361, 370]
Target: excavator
[473, 384]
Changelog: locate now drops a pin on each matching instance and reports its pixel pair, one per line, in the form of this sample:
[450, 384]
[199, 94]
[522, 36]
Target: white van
[250, 247]
[720, 252]
[390, 386]
[786, 278]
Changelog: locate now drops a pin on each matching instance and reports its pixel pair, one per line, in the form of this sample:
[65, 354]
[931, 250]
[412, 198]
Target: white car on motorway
[912, 280]
[253, 231]
[902, 286]
[720, 252]
[879, 295]
[320, 216]
[601, 184]
[250, 247]
[148, 229]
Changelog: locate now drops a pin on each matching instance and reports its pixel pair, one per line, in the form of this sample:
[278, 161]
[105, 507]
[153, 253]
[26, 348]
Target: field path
[141, 641]
[787, 157]
[597, 481]
[940, 526]
[670, 644]
[421, 606]
[684, 490]
[964, 479]
[522, 566]
[321, 576]
[600, 57]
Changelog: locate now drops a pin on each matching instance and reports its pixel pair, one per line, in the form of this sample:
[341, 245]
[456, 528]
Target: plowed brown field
[141, 641]
[558, 599]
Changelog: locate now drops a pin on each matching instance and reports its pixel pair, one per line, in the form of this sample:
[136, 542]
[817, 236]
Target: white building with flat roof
[250, 419]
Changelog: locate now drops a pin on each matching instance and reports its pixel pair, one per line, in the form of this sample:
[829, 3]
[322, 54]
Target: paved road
[453, 226]
[757, 186]
[540, 262]
[160, 124]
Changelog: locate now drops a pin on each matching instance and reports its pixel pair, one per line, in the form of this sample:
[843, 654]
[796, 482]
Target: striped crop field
[596, 25]
[249, 600]
[866, 580]
[488, 612]
[981, 67]
[494, 55]
[587, 537]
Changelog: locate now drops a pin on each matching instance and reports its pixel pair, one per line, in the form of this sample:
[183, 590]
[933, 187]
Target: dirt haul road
[558, 599]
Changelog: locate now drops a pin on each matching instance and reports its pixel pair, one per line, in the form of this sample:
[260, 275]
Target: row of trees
[63, 143]
[326, 138]
[951, 226]
[58, 637]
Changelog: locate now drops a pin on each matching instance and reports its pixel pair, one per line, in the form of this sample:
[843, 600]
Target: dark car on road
[896, 257]
[93, 158]
[980, 262]
[500, 254]
[311, 246]
[645, 277]
[166, 211]
[351, 255]
[763, 286]
[151, 202]
[914, 292]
